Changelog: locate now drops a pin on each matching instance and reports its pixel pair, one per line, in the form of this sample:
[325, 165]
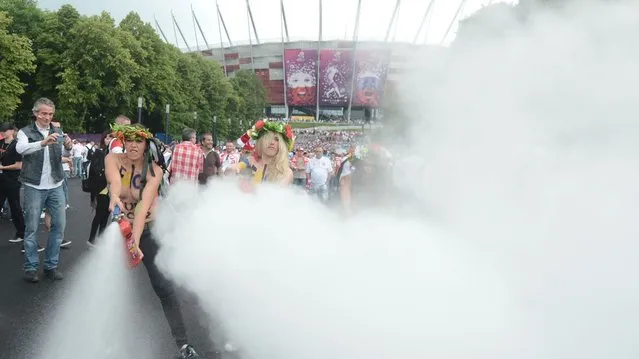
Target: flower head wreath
[263, 126]
[130, 132]
[370, 152]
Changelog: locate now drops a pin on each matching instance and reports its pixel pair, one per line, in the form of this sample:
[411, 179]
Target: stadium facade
[304, 76]
[334, 78]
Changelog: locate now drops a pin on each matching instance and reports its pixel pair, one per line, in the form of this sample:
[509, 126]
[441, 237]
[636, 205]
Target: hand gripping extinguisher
[134, 253]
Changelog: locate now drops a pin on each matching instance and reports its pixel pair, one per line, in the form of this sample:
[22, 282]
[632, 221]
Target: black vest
[32, 163]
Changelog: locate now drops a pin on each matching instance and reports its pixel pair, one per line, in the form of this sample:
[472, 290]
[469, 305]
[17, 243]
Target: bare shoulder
[114, 157]
[156, 174]
[288, 176]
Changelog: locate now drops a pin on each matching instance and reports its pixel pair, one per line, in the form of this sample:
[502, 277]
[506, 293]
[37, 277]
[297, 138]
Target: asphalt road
[25, 307]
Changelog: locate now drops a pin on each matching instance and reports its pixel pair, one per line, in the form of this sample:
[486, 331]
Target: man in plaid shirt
[187, 161]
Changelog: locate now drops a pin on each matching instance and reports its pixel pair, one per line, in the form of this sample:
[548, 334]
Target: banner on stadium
[336, 71]
[301, 77]
[371, 69]
[302, 118]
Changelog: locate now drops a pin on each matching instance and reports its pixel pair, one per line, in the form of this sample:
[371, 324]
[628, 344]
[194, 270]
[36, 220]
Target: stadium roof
[377, 22]
[302, 18]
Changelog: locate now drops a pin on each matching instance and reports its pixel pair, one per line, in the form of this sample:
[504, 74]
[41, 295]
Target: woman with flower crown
[134, 181]
[269, 161]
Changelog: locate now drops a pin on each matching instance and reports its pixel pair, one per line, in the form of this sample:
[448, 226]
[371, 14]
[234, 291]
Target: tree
[27, 18]
[157, 62]
[16, 58]
[215, 90]
[95, 70]
[251, 93]
[97, 76]
[49, 46]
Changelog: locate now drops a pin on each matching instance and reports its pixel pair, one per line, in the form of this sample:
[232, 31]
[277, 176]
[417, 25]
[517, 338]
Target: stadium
[338, 80]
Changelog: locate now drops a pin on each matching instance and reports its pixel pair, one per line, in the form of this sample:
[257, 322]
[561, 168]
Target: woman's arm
[345, 192]
[15, 166]
[114, 180]
[149, 194]
[288, 178]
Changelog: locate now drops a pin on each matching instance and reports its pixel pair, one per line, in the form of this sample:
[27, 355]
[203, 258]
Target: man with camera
[40, 145]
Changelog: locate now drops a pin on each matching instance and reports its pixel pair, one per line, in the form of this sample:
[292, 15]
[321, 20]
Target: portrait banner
[301, 77]
[336, 71]
[371, 69]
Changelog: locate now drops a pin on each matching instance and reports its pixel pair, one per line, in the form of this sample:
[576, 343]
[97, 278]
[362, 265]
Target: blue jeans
[319, 190]
[65, 187]
[77, 166]
[34, 201]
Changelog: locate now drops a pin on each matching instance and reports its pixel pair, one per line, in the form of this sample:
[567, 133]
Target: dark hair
[206, 134]
[187, 133]
[102, 145]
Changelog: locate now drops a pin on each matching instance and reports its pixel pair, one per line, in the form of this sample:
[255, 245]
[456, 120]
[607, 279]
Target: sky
[302, 18]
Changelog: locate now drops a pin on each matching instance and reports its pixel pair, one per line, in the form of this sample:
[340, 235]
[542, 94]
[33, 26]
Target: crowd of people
[130, 170]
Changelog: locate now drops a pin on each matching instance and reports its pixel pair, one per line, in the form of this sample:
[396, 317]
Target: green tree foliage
[27, 17]
[95, 69]
[252, 95]
[15, 58]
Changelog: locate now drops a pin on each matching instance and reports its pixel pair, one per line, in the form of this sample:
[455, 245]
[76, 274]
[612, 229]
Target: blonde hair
[279, 168]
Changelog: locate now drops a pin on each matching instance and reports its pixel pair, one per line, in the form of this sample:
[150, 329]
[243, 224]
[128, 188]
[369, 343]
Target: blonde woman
[269, 161]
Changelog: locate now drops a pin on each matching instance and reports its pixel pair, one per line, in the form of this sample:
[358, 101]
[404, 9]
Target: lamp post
[140, 99]
[215, 129]
[195, 120]
[166, 127]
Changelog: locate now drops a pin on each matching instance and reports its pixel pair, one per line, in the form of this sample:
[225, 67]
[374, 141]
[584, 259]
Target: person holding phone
[40, 145]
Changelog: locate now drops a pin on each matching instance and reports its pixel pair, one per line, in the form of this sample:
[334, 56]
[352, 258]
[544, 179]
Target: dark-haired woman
[134, 180]
[99, 193]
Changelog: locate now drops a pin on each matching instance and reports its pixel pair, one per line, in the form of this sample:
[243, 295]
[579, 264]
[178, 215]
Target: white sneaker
[230, 347]
[16, 240]
[42, 215]
[65, 243]
[68, 206]
[40, 249]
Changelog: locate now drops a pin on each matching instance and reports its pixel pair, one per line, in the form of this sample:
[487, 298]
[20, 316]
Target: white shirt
[347, 169]
[319, 168]
[76, 150]
[85, 153]
[23, 147]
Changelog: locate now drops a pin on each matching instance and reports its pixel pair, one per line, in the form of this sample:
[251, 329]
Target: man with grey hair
[187, 161]
[115, 145]
[40, 145]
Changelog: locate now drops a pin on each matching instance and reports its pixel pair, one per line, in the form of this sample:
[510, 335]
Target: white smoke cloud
[531, 155]
[288, 279]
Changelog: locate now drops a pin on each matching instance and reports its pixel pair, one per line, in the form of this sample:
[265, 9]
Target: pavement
[25, 308]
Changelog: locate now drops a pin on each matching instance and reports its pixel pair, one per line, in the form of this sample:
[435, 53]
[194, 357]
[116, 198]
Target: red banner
[301, 77]
[371, 69]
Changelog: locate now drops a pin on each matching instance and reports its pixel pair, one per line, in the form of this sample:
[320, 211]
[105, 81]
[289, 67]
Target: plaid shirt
[187, 162]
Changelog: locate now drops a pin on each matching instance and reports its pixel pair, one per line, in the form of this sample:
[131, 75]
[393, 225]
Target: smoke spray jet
[96, 315]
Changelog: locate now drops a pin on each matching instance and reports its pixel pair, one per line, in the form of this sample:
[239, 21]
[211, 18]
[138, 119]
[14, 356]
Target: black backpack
[95, 180]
